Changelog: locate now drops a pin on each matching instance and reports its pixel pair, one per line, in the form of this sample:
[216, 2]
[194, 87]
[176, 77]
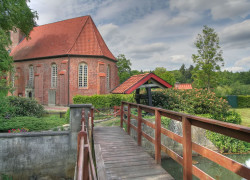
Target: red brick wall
[97, 82]
[97, 69]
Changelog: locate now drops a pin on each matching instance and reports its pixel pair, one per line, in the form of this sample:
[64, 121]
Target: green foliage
[227, 144]
[208, 58]
[67, 116]
[240, 89]
[13, 106]
[13, 14]
[25, 106]
[31, 123]
[193, 101]
[103, 101]
[244, 101]
[165, 75]
[183, 75]
[206, 104]
[6, 177]
[124, 67]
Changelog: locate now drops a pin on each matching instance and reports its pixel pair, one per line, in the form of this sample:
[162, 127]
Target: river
[211, 168]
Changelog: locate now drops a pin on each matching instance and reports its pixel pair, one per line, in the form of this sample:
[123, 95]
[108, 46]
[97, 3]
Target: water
[211, 168]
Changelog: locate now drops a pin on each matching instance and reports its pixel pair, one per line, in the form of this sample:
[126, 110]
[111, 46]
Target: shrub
[227, 144]
[206, 104]
[244, 101]
[103, 101]
[25, 106]
[67, 116]
[193, 101]
[31, 123]
[6, 110]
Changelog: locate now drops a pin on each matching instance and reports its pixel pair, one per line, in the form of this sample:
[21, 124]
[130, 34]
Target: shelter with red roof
[63, 59]
[136, 82]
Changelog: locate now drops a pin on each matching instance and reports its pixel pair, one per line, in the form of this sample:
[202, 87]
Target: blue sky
[160, 33]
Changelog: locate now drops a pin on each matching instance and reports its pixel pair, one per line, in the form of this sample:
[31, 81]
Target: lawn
[245, 115]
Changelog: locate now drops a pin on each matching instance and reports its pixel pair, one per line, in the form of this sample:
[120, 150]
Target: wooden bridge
[119, 156]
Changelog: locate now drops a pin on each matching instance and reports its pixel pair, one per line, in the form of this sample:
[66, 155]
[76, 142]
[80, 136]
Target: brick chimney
[16, 38]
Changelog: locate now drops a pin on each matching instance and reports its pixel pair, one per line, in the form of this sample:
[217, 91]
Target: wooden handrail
[85, 165]
[228, 129]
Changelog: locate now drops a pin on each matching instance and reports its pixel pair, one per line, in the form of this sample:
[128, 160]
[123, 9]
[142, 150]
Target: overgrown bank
[203, 103]
[18, 112]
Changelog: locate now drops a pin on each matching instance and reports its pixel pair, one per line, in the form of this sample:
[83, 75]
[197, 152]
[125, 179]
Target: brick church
[61, 60]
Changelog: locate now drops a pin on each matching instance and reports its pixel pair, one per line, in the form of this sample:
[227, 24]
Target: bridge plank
[121, 158]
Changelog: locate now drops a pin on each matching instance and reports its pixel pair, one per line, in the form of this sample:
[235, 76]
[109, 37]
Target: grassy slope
[245, 115]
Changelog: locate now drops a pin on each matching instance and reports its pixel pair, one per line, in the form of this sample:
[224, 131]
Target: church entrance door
[52, 97]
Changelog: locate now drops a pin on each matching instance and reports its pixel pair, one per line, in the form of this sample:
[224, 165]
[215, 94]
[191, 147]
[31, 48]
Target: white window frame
[108, 77]
[31, 76]
[53, 76]
[83, 75]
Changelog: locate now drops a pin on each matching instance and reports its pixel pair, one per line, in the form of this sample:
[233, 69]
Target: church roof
[136, 81]
[77, 36]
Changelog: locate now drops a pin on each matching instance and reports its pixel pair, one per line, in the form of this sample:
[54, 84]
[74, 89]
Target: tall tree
[14, 14]
[124, 67]
[208, 59]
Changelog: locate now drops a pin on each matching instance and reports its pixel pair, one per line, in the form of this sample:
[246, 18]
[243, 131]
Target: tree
[165, 75]
[124, 69]
[14, 14]
[208, 58]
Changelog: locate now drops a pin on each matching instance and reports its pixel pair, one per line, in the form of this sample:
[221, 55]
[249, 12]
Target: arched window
[108, 77]
[31, 76]
[53, 76]
[83, 75]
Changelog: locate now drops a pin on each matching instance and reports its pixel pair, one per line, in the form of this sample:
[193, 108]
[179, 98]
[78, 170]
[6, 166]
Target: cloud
[244, 62]
[149, 48]
[180, 59]
[240, 65]
[236, 35]
[234, 69]
[231, 9]
[222, 9]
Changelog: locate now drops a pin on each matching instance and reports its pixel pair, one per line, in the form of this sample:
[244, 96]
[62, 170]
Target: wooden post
[187, 149]
[139, 126]
[149, 96]
[121, 115]
[92, 118]
[157, 137]
[85, 162]
[129, 111]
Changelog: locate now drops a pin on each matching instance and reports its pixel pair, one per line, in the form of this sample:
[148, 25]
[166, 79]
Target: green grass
[245, 115]
[32, 123]
[111, 122]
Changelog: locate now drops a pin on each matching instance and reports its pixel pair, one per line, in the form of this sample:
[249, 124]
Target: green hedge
[244, 101]
[103, 101]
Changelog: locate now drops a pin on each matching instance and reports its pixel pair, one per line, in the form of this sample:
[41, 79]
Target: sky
[160, 33]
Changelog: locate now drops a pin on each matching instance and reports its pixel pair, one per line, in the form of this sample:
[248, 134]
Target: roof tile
[78, 36]
[135, 81]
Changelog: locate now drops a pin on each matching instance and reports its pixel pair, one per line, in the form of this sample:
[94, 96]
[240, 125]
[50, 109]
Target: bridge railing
[228, 129]
[85, 165]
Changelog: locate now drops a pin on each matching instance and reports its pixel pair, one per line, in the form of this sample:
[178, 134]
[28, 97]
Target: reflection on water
[211, 168]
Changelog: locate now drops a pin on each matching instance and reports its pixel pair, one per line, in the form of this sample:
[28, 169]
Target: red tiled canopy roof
[77, 36]
[136, 81]
[183, 86]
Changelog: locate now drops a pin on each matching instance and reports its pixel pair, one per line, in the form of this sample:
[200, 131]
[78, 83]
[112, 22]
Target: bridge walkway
[119, 157]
